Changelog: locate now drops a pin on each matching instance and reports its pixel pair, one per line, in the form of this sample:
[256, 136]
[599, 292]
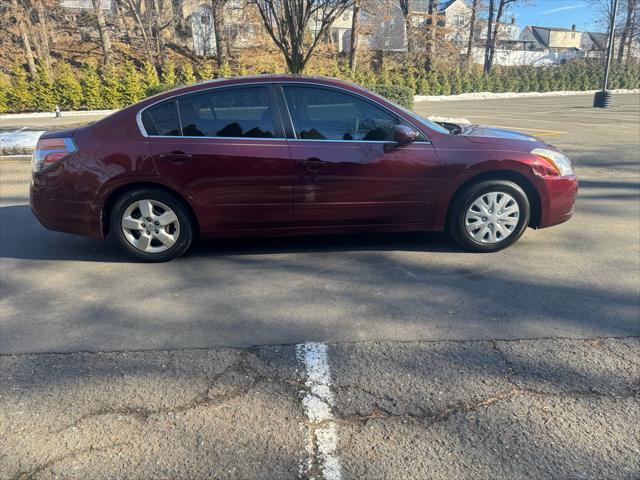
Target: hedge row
[117, 86]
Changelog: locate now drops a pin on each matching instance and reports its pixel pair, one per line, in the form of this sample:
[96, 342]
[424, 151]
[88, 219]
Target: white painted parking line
[323, 461]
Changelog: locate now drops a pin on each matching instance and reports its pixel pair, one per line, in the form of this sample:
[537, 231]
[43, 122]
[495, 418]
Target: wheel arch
[509, 175]
[128, 187]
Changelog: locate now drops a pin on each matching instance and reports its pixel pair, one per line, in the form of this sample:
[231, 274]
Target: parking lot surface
[439, 363]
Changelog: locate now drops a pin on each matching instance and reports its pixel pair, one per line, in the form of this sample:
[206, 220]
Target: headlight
[559, 161]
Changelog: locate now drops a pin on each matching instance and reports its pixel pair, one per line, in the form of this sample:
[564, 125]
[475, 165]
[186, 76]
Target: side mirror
[402, 135]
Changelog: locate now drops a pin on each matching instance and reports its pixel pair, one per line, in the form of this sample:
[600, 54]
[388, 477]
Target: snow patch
[70, 113]
[493, 95]
[19, 139]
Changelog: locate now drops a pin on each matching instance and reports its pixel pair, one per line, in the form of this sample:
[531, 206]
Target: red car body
[244, 186]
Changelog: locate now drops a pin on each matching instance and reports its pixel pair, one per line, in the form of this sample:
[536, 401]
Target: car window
[238, 112]
[326, 114]
[161, 120]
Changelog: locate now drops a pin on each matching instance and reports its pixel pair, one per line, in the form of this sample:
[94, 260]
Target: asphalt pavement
[440, 363]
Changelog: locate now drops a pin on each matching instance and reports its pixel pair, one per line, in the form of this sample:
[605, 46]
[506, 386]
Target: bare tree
[493, 30]
[406, 6]
[287, 23]
[353, 44]
[102, 30]
[472, 29]
[629, 24]
[217, 9]
[43, 33]
[21, 23]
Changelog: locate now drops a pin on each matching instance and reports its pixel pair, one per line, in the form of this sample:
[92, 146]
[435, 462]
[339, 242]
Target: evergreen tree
[168, 74]
[205, 72]
[186, 75]
[133, 89]
[5, 85]
[19, 95]
[44, 92]
[225, 70]
[150, 78]
[67, 87]
[91, 88]
[111, 87]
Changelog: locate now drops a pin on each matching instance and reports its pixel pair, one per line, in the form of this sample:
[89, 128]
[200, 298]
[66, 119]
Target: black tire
[462, 202]
[186, 228]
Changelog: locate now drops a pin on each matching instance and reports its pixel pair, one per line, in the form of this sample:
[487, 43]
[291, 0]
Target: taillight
[51, 150]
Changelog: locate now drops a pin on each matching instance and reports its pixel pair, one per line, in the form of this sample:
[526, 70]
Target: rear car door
[225, 148]
[343, 174]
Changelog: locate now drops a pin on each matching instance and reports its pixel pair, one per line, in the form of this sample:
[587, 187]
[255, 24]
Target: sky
[556, 13]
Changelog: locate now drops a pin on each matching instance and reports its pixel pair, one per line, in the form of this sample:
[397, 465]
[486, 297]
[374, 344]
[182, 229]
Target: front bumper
[558, 197]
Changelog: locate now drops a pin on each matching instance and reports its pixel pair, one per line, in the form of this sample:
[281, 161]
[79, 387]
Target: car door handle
[175, 157]
[312, 164]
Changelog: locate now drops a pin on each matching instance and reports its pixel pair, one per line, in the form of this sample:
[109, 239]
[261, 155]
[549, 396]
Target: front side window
[326, 114]
[242, 112]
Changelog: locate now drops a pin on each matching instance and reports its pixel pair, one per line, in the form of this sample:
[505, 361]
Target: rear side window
[241, 112]
[162, 120]
[326, 114]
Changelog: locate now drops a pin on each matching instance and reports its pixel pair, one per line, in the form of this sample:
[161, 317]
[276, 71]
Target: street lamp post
[602, 98]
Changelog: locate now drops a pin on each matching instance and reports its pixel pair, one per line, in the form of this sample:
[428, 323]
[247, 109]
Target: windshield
[427, 123]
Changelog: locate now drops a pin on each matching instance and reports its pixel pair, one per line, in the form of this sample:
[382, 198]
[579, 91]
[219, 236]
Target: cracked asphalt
[546, 408]
[523, 364]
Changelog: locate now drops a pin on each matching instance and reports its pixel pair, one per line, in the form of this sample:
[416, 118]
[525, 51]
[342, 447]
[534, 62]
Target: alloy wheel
[150, 226]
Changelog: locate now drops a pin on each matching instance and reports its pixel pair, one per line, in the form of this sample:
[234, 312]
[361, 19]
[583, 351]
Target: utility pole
[602, 98]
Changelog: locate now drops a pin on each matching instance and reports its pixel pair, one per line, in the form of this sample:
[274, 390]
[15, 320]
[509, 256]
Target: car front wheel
[489, 216]
[151, 225]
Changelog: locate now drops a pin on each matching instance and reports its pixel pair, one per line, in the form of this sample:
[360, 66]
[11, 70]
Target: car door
[225, 148]
[344, 176]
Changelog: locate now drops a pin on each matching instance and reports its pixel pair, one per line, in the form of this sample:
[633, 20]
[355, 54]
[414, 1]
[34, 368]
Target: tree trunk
[155, 30]
[143, 31]
[472, 31]
[631, 4]
[18, 14]
[487, 46]
[218, 32]
[102, 30]
[122, 21]
[44, 34]
[494, 37]
[353, 43]
[408, 26]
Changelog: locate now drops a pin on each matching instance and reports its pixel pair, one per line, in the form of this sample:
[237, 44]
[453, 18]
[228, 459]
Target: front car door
[225, 148]
[344, 176]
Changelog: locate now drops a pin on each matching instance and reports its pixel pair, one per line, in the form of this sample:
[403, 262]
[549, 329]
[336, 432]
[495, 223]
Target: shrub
[168, 74]
[149, 77]
[133, 89]
[396, 93]
[111, 87]
[205, 72]
[67, 87]
[19, 96]
[43, 92]
[5, 85]
[91, 88]
[186, 75]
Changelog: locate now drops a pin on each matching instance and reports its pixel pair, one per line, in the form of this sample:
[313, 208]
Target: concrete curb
[493, 95]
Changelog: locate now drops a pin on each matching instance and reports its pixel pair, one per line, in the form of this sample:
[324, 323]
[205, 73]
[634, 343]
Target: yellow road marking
[538, 132]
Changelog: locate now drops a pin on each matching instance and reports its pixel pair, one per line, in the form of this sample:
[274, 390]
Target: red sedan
[288, 155]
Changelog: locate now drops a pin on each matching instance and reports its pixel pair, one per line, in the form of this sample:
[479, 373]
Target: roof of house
[593, 41]
[84, 4]
[423, 5]
[554, 29]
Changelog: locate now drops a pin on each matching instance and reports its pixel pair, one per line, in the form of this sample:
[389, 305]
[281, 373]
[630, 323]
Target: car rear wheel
[151, 225]
[489, 216]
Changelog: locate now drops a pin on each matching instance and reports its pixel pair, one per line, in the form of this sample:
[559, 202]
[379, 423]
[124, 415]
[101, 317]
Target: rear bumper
[67, 216]
[558, 197]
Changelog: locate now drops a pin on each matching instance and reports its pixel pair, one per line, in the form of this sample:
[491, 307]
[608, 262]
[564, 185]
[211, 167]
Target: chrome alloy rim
[150, 226]
[492, 217]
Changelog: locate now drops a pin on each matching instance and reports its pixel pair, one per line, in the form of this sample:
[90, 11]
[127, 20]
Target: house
[340, 32]
[550, 38]
[388, 27]
[593, 44]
